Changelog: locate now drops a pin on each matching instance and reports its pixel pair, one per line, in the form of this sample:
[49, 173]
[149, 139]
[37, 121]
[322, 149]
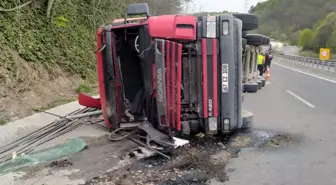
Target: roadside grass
[83, 88]
[55, 104]
[3, 122]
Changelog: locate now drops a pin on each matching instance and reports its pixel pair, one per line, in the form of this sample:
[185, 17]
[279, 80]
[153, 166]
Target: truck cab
[181, 73]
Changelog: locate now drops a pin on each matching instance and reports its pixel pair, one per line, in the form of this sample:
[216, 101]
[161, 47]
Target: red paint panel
[205, 78]
[101, 79]
[215, 76]
[88, 101]
[179, 76]
[172, 27]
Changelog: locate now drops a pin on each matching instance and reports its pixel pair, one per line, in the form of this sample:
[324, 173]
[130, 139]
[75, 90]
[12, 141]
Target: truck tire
[267, 41]
[244, 33]
[263, 82]
[259, 82]
[244, 43]
[251, 87]
[250, 21]
[247, 120]
[254, 39]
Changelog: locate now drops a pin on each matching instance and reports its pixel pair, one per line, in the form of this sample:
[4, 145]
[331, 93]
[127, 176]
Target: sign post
[324, 54]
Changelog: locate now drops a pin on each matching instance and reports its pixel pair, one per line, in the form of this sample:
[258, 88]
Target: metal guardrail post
[309, 62]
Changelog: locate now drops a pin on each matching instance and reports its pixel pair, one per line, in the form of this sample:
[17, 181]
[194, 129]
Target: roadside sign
[324, 53]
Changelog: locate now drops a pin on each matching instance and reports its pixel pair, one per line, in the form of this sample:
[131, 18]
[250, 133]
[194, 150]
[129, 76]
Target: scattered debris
[141, 153]
[72, 146]
[60, 164]
[191, 164]
[27, 144]
[278, 140]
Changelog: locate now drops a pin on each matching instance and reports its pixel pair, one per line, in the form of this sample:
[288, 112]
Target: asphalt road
[302, 107]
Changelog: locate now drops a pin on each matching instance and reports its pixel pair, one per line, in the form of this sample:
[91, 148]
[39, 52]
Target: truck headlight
[213, 124]
[211, 27]
[226, 30]
[226, 124]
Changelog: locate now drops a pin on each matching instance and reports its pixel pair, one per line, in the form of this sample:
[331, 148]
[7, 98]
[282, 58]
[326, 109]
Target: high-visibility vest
[260, 59]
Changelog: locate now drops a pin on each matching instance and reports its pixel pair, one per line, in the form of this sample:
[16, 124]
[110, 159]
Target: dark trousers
[261, 69]
[267, 64]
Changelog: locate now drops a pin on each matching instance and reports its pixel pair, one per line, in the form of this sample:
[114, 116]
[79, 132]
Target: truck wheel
[244, 33]
[254, 39]
[251, 87]
[267, 41]
[250, 21]
[247, 120]
[263, 82]
[259, 82]
[244, 43]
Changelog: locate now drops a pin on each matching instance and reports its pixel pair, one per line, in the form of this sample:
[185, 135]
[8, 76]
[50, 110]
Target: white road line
[268, 82]
[301, 99]
[319, 77]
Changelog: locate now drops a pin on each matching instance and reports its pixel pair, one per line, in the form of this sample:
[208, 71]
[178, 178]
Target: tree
[290, 16]
[305, 39]
[323, 31]
[252, 9]
[332, 41]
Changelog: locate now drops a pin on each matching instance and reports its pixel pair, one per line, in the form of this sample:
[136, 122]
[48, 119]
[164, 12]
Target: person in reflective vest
[261, 61]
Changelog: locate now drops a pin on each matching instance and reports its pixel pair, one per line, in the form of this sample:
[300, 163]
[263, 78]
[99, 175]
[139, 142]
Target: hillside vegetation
[209, 13]
[47, 49]
[309, 23]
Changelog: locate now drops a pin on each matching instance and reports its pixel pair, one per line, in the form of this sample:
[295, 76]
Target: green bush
[288, 17]
[305, 39]
[67, 37]
[324, 31]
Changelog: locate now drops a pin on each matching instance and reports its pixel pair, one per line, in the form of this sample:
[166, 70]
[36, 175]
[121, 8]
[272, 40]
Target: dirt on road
[125, 163]
[193, 164]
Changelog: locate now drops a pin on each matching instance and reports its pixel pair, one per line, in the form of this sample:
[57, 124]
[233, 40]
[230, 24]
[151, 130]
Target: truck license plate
[225, 78]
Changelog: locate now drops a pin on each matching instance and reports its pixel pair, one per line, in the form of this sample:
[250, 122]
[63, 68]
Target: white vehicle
[276, 47]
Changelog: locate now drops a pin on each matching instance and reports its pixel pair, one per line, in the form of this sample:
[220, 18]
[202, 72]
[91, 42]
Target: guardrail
[309, 62]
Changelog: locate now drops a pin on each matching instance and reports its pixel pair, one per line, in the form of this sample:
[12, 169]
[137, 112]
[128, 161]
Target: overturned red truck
[172, 73]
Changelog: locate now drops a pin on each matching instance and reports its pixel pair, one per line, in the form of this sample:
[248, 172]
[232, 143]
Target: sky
[220, 5]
